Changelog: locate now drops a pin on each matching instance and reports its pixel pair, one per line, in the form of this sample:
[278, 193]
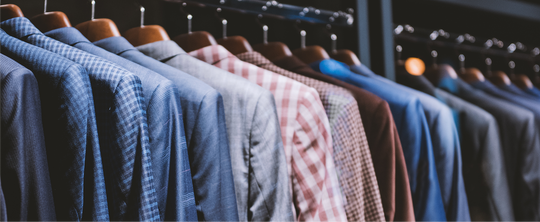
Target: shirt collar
[254, 58]
[116, 45]
[19, 27]
[332, 67]
[161, 50]
[68, 35]
[212, 54]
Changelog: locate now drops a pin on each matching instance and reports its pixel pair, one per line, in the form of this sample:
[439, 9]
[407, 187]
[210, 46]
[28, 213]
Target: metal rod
[45, 7]
[142, 15]
[224, 22]
[334, 42]
[303, 39]
[93, 9]
[265, 34]
[189, 17]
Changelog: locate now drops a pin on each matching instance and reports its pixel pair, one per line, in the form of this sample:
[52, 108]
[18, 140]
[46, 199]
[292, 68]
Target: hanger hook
[488, 66]
[302, 39]
[434, 55]
[189, 17]
[224, 22]
[265, 34]
[334, 42]
[512, 66]
[461, 58]
[45, 7]
[93, 9]
[399, 49]
[142, 15]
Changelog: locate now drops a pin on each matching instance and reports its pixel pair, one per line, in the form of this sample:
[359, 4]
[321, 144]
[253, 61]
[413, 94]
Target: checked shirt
[351, 150]
[122, 126]
[305, 133]
[69, 126]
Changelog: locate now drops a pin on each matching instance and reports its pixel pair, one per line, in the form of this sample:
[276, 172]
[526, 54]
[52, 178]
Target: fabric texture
[484, 171]
[121, 122]
[257, 154]
[527, 207]
[415, 136]
[24, 163]
[351, 149]
[383, 139]
[519, 140]
[165, 130]
[206, 137]
[305, 133]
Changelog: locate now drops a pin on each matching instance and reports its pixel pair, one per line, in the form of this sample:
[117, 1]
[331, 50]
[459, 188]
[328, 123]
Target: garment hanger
[50, 20]
[309, 54]
[522, 81]
[536, 79]
[343, 55]
[500, 78]
[272, 50]
[192, 41]
[98, 29]
[143, 35]
[10, 11]
[235, 44]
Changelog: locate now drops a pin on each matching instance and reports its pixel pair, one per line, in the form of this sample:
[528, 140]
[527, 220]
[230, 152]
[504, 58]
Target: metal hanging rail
[466, 43]
[277, 10]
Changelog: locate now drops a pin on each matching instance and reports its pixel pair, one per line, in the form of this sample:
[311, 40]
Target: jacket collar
[19, 27]
[161, 50]
[116, 45]
[212, 54]
[68, 35]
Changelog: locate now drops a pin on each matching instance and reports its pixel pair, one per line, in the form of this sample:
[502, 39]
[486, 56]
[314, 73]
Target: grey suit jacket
[257, 153]
[484, 169]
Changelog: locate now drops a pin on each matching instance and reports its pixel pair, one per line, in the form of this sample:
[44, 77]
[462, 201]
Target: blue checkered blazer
[170, 160]
[70, 131]
[122, 126]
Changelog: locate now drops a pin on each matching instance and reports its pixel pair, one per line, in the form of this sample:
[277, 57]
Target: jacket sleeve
[270, 195]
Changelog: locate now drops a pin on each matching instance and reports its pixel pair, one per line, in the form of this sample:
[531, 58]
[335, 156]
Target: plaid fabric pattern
[305, 133]
[122, 126]
[351, 149]
[70, 129]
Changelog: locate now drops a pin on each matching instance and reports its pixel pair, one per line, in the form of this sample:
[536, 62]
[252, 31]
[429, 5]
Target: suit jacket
[519, 139]
[165, 130]
[122, 126]
[25, 170]
[533, 92]
[446, 148]
[383, 140]
[513, 89]
[206, 135]
[415, 136]
[483, 161]
[262, 193]
[351, 151]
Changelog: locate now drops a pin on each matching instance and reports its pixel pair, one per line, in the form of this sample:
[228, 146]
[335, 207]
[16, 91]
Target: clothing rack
[467, 43]
[276, 10]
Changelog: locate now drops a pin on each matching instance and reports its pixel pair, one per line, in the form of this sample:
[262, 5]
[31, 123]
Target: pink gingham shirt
[305, 131]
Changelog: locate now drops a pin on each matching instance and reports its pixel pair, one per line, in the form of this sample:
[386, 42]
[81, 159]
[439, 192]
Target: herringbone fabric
[122, 126]
[305, 132]
[71, 136]
[351, 149]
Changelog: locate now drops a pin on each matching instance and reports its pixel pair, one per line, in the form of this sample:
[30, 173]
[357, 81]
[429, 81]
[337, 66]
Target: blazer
[122, 126]
[206, 135]
[519, 140]
[165, 130]
[446, 148]
[351, 151]
[257, 154]
[484, 171]
[24, 165]
[383, 140]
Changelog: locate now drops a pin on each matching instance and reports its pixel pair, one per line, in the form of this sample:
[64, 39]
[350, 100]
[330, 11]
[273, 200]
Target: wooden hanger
[98, 29]
[310, 54]
[500, 78]
[145, 34]
[50, 21]
[10, 11]
[343, 55]
[192, 41]
[235, 44]
[470, 75]
[272, 50]
[522, 81]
